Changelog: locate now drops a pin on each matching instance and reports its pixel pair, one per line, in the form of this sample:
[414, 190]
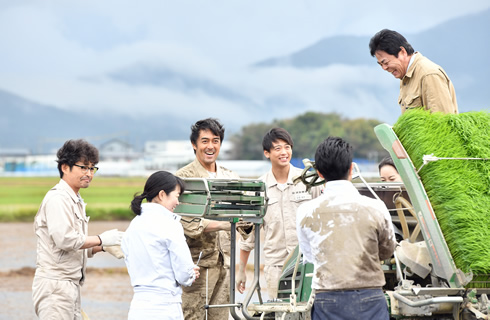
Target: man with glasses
[422, 82]
[63, 245]
[280, 221]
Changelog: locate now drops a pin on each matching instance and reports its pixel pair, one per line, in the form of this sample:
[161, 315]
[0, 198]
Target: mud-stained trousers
[56, 299]
[194, 297]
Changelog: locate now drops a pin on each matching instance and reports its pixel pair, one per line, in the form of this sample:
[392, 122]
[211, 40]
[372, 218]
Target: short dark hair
[333, 159]
[387, 161]
[390, 42]
[207, 124]
[76, 150]
[274, 135]
[158, 181]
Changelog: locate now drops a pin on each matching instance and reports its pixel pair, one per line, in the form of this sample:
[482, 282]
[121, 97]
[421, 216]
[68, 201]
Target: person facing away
[388, 171]
[157, 257]
[210, 237]
[63, 244]
[345, 235]
[280, 221]
[422, 82]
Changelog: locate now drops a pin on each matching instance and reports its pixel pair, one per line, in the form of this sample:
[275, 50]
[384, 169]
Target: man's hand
[241, 278]
[115, 251]
[111, 238]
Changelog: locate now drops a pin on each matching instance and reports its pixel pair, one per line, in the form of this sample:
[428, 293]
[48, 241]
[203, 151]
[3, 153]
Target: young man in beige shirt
[279, 225]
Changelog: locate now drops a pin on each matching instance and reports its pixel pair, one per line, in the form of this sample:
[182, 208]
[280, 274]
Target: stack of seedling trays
[458, 183]
[221, 199]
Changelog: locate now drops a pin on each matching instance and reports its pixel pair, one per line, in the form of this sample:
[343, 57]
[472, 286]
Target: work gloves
[111, 238]
[245, 228]
[115, 251]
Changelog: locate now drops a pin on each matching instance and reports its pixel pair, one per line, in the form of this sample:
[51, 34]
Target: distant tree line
[308, 130]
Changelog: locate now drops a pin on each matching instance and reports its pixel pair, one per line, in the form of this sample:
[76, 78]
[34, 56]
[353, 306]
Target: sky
[62, 53]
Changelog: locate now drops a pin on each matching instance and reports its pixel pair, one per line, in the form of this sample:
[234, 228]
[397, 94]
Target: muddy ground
[106, 294]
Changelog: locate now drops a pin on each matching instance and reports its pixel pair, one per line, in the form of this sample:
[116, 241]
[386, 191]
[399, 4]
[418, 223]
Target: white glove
[241, 278]
[111, 238]
[115, 251]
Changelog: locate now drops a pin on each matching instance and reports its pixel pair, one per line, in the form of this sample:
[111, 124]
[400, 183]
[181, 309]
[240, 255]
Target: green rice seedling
[459, 190]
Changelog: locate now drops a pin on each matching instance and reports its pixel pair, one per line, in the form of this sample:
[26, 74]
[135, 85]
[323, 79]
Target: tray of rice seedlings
[456, 177]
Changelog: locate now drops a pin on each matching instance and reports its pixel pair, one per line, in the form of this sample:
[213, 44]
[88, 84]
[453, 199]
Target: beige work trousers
[194, 297]
[272, 275]
[56, 299]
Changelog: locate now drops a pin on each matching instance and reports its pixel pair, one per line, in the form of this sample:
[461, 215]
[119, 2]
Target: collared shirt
[280, 220]
[210, 243]
[345, 235]
[156, 253]
[61, 227]
[426, 85]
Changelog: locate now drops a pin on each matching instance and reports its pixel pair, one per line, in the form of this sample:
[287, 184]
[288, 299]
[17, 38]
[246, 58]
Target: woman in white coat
[155, 251]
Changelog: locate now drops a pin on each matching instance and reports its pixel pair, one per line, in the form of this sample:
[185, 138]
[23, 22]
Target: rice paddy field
[107, 293]
[107, 198]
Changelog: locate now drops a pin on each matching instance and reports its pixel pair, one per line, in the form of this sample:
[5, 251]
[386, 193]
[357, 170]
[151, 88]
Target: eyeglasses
[85, 169]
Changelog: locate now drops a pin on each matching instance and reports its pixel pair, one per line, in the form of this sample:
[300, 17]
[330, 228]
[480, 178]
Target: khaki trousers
[272, 275]
[194, 297]
[56, 300]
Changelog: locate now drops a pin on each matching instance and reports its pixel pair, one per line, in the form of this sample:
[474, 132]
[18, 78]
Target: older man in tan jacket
[422, 82]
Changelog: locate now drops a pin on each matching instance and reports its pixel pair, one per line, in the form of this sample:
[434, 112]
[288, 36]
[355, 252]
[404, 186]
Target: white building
[167, 155]
[117, 150]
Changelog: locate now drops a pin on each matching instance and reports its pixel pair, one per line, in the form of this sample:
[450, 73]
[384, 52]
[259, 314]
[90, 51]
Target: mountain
[350, 50]
[458, 45]
[29, 125]
[335, 74]
[141, 74]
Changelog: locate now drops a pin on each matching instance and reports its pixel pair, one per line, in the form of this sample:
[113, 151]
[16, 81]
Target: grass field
[106, 198]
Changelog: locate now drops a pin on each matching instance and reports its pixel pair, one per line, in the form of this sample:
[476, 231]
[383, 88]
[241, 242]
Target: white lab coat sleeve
[180, 257]
[303, 241]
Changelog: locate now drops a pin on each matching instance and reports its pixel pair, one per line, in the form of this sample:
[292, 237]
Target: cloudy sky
[62, 53]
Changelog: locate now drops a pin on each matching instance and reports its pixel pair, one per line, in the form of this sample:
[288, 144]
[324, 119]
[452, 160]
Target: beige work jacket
[61, 227]
[210, 243]
[279, 225]
[345, 235]
[427, 85]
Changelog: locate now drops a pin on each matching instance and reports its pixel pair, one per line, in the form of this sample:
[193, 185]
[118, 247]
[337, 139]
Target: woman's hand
[196, 271]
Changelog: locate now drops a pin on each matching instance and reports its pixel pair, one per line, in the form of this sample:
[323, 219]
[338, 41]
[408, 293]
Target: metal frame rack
[230, 200]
